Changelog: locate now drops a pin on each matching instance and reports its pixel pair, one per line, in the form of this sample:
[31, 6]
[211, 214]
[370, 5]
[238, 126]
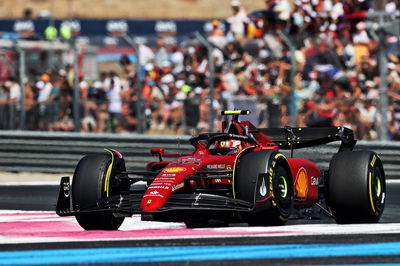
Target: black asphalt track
[40, 197]
[44, 197]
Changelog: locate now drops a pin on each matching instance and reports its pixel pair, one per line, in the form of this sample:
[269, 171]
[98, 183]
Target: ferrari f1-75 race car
[237, 175]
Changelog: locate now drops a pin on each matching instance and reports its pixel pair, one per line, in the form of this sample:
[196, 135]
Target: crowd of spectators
[336, 81]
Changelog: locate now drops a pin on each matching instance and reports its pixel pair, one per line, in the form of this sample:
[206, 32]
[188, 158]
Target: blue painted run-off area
[185, 253]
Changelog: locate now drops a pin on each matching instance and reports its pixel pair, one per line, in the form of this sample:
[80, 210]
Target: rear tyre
[356, 187]
[264, 178]
[89, 186]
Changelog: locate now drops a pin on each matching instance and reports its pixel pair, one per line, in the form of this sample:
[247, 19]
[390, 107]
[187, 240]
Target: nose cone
[153, 200]
[164, 185]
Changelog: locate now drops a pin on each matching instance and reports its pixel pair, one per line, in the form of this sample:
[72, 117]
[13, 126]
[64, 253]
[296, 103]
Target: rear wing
[302, 137]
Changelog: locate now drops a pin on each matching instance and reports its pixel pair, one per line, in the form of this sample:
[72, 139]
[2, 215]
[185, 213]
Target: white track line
[31, 183]
[392, 181]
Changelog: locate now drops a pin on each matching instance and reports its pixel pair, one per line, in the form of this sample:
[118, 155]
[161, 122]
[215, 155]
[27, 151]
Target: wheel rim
[283, 187]
[378, 186]
[378, 191]
[283, 190]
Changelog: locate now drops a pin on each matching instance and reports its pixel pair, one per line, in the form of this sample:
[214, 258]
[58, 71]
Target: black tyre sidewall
[248, 182]
[88, 188]
[248, 169]
[349, 189]
[88, 180]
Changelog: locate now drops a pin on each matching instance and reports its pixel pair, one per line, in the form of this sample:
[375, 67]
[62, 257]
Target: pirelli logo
[373, 160]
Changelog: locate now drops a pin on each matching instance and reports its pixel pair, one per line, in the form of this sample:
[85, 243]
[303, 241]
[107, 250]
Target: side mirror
[157, 151]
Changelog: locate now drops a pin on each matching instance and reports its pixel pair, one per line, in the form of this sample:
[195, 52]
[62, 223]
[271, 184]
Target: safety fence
[159, 116]
[60, 152]
[192, 115]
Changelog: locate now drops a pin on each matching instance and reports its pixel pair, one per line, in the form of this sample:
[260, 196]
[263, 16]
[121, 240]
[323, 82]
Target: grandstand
[164, 71]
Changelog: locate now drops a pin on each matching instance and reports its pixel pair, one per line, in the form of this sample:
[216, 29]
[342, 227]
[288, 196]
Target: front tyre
[264, 178]
[356, 187]
[89, 185]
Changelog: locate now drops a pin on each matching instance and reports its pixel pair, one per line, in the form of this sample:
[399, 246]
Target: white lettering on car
[314, 181]
[159, 187]
[178, 186]
[216, 166]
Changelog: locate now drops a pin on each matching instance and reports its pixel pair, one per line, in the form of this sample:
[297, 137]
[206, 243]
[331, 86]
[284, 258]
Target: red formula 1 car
[237, 175]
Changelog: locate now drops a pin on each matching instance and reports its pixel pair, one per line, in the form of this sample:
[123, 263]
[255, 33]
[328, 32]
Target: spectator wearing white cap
[327, 6]
[368, 117]
[337, 9]
[361, 41]
[177, 58]
[391, 6]
[238, 20]
[361, 35]
[372, 93]
[284, 9]
[13, 90]
[161, 56]
[113, 92]
[146, 55]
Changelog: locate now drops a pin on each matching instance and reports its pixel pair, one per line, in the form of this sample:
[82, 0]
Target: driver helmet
[231, 143]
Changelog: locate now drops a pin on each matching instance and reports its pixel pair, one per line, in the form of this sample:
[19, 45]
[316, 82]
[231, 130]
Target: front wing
[129, 204]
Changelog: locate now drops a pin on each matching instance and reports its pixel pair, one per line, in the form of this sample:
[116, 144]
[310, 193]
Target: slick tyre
[264, 178]
[356, 187]
[88, 186]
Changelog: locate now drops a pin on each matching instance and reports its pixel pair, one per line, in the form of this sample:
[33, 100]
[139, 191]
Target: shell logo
[301, 185]
[174, 170]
